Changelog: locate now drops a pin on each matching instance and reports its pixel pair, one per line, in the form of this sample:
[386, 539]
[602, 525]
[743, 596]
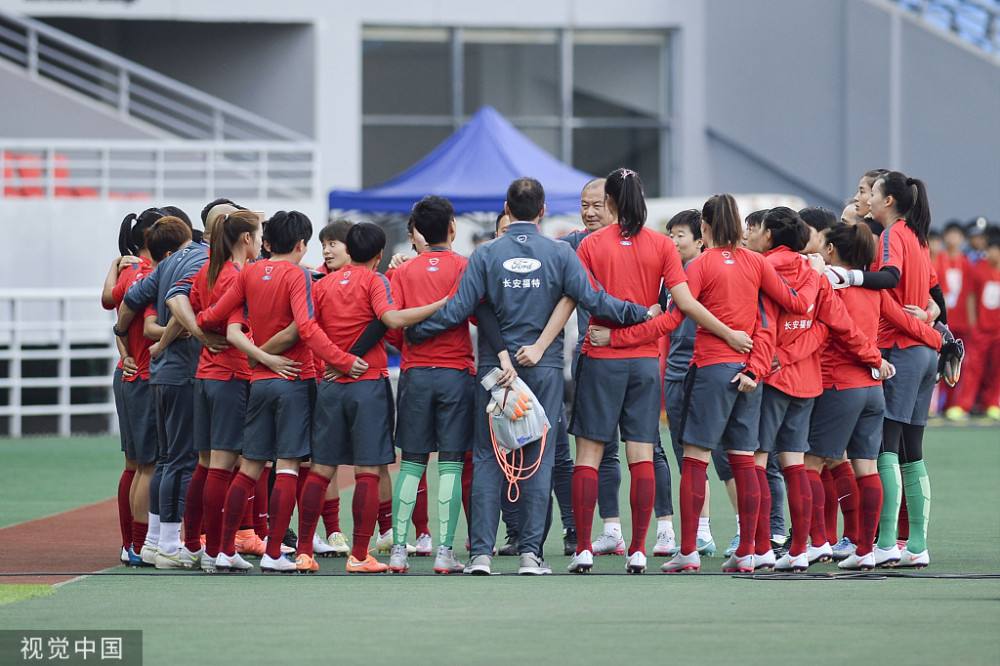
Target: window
[595, 99]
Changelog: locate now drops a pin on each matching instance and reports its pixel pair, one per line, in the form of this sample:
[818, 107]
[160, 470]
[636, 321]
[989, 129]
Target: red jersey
[955, 276]
[276, 293]
[230, 363]
[137, 343]
[632, 269]
[899, 248]
[986, 282]
[346, 302]
[427, 278]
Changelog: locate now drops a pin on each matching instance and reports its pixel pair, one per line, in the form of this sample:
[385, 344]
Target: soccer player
[523, 276]
[275, 293]
[620, 388]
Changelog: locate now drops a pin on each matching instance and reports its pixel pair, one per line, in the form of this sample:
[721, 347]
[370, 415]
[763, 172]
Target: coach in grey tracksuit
[522, 275]
[172, 376]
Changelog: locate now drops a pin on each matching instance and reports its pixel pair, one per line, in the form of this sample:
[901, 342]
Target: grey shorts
[716, 415]
[784, 422]
[220, 409]
[140, 409]
[353, 423]
[673, 391]
[617, 393]
[908, 393]
[116, 390]
[278, 419]
[435, 410]
[849, 420]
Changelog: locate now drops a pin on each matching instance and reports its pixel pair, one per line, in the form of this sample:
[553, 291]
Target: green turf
[195, 618]
[12, 593]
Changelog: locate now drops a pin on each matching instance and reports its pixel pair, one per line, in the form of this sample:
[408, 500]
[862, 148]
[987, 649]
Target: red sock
[420, 508]
[301, 481]
[903, 529]
[384, 516]
[236, 498]
[817, 531]
[641, 495]
[830, 506]
[467, 484]
[747, 501]
[138, 535]
[193, 509]
[260, 502]
[365, 510]
[762, 538]
[310, 507]
[694, 476]
[849, 497]
[213, 500]
[870, 489]
[584, 501]
[125, 506]
[282, 504]
[331, 515]
[800, 506]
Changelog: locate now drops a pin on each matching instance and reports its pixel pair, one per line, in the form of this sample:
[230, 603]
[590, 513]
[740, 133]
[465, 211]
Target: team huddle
[795, 351]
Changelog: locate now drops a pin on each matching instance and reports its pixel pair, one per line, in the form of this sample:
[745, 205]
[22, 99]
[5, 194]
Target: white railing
[42, 332]
[132, 90]
[157, 170]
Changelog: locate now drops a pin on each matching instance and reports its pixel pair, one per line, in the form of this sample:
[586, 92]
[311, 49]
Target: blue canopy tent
[473, 168]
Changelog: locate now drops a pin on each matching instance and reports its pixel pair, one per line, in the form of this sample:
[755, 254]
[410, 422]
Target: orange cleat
[306, 564]
[369, 566]
[248, 543]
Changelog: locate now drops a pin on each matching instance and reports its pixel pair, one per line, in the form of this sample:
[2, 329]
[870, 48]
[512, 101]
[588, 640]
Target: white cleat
[424, 546]
[609, 544]
[819, 554]
[148, 554]
[666, 544]
[383, 544]
[855, 562]
[843, 549]
[682, 563]
[764, 562]
[123, 558]
[338, 542]
[446, 563]
[581, 562]
[794, 563]
[636, 563]
[886, 557]
[908, 560]
[737, 564]
[207, 563]
[182, 559]
[280, 564]
[285, 550]
[322, 548]
[232, 564]
[398, 562]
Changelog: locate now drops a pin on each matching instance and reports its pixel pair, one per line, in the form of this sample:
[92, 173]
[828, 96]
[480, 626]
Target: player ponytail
[787, 228]
[624, 187]
[722, 216]
[910, 197]
[854, 243]
[132, 231]
[228, 230]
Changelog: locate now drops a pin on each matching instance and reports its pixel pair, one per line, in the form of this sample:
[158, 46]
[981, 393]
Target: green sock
[892, 498]
[449, 500]
[917, 486]
[404, 496]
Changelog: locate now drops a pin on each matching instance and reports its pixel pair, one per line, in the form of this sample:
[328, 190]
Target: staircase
[974, 21]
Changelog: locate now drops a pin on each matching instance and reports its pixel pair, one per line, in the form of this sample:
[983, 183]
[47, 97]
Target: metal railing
[156, 170]
[974, 21]
[49, 339]
[133, 90]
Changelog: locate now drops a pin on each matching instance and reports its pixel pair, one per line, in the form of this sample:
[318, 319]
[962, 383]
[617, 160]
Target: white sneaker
[206, 563]
[581, 562]
[285, 550]
[424, 546]
[764, 562]
[682, 563]
[855, 562]
[123, 558]
[532, 565]
[818, 554]
[338, 542]
[148, 554]
[636, 563]
[666, 544]
[446, 563]
[383, 544]
[737, 564]
[609, 544]
[794, 563]
[398, 563]
[280, 564]
[479, 566]
[886, 557]
[322, 548]
[182, 559]
[232, 563]
[910, 560]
